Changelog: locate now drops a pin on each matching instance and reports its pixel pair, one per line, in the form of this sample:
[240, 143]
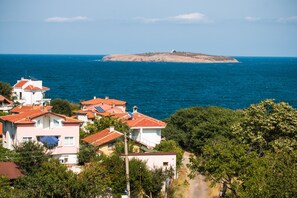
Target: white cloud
[191, 17]
[252, 19]
[66, 19]
[292, 19]
[194, 17]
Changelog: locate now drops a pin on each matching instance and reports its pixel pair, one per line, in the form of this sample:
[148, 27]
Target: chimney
[111, 128]
[106, 97]
[94, 97]
[135, 109]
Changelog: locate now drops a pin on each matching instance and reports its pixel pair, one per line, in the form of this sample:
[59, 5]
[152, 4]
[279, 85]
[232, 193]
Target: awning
[49, 140]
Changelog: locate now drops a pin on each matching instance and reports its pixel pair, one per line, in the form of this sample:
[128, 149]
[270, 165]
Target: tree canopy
[192, 127]
[5, 90]
[260, 159]
[61, 106]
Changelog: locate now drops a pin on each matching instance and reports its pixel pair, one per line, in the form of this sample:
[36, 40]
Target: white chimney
[106, 97]
[94, 97]
[111, 128]
[135, 109]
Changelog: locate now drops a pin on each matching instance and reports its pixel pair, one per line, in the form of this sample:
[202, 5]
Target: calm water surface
[159, 89]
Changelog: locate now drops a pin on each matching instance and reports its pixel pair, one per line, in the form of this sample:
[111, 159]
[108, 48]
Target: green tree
[5, 90]
[106, 122]
[145, 181]
[268, 126]
[61, 106]
[192, 127]
[30, 155]
[6, 191]
[6, 155]
[171, 146]
[222, 161]
[86, 153]
[271, 175]
[93, 181]
[51, 179]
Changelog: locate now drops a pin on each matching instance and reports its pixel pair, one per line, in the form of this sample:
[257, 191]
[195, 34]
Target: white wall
[158, 161]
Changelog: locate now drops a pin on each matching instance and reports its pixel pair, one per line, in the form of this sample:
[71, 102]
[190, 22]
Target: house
[30, 92]
[23, 108]
[104, 140]
[164, 160]
[108, 103]
[144, 129]
[99, 107]
[58, 131]
[10, 170]
[5, 104]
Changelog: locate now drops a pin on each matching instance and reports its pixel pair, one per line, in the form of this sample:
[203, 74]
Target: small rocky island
[182, 57]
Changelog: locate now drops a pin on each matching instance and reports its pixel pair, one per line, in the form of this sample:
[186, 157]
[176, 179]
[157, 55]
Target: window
[56, 122]
[165, 164]
[69, 141]
[27, 139]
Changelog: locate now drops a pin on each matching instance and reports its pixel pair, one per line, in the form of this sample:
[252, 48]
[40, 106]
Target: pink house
[42, 127]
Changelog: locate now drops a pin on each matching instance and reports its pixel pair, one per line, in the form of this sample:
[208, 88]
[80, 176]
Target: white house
[30, 92]
[164, 160]
[144, 129]
[5, 104]
[58, 132]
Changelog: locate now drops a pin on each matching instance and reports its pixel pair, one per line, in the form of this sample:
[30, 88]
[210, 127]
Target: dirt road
[198, 188]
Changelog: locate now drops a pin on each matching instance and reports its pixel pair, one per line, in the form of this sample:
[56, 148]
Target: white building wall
[158, 161]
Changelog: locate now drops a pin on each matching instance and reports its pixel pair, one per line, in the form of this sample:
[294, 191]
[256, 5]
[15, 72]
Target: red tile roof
[32, 88]
[140, 120]
[10, 170]
[104, 101]
[20, 83]
[27, 116]
[45, 88]
[23, 108]
[102, 137]
[1, 129]
[3, 99]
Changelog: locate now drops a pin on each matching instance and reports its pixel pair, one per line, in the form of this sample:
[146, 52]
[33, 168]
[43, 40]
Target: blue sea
[158, 89]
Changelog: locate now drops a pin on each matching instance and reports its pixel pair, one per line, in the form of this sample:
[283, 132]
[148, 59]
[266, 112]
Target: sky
[229, 27]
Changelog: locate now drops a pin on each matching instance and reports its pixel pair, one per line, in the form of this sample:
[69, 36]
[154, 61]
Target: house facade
[104, 140]
[30, 92]
[144, 129]
[164, 160]
[5, 104]
[42, 127]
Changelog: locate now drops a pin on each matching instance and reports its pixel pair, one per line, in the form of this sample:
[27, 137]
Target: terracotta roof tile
[32, 88]
[27, 116]
[140, 120]
[104, 101]
[3, 99]
[10, 170]
[1, 129]
[20, 83]
[45, 88]
[102, 137]
[23, 108]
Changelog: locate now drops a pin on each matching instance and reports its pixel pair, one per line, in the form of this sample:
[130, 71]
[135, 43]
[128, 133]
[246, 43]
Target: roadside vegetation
[251, 153]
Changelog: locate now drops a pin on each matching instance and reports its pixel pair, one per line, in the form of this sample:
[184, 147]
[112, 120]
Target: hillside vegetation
[252, 153]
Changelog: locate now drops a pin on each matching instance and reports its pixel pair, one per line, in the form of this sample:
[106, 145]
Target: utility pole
[127, 166]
